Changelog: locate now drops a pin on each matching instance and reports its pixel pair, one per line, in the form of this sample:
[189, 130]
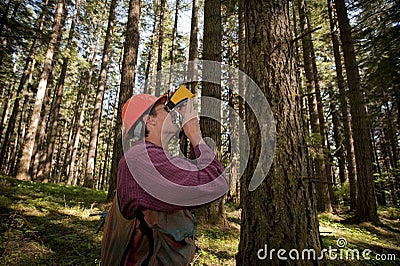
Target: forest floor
[46, 224]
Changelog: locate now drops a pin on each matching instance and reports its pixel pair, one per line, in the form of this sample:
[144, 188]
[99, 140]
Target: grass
[383, 240]
[218, 245]
[47, 224]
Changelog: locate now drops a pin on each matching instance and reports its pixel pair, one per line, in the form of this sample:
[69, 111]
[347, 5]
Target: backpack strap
[148, 232]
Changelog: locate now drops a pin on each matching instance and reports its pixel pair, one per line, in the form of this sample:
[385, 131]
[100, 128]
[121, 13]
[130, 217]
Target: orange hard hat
[135, 107]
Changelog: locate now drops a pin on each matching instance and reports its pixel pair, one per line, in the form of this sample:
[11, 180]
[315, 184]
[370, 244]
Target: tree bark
[366, 209]
[279, 213]
[23, 169]
[94, 133]
[131, 47]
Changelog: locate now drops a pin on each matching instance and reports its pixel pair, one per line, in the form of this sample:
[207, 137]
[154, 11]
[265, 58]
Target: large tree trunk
[279, 214]
[366, 209]
[315, 111]
[347, 131]
[131, 46]
[212, 46]
[44, 173]
[94, 133]
[23, 170]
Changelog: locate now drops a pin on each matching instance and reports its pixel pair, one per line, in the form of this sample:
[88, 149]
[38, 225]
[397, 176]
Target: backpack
[150, 237]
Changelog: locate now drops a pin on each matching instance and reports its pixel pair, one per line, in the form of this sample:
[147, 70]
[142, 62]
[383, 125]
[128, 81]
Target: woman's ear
[148, 120]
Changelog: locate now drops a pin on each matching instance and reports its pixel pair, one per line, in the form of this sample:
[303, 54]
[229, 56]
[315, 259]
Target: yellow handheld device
[178, 97]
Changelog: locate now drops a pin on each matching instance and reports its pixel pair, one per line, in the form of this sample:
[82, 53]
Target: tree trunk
[71, 130]
[212, 46]
[347, 131]
[19, 139]
[28, 68]
[56, 105]
[110, 138]
[126, 87]
[160, 47]
[315, 111]
[85, 86]
[56, 171]
[25, 161]
[194, 46]
[150, 54]
[40, 150]
[94, 133]
[81, 105]
[380, 193]
[6, 107]
[242, 65]
[233, 123]
[279, 213]
[192, 68]
[338, 138]
[173, 45]
[366, 209]
[4, 21]
[40, 141]
[233, 192]
[390, 134]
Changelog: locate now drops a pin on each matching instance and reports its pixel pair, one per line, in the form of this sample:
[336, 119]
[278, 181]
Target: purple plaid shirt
[132, 196]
